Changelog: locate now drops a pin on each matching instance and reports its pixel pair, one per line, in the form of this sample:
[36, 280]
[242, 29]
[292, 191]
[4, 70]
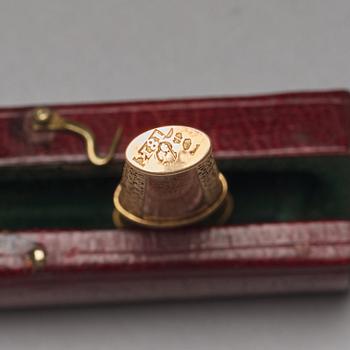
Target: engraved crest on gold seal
[168, 148]
[170, 179]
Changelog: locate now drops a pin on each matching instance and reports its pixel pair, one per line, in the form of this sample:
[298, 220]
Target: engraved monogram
[165, 147]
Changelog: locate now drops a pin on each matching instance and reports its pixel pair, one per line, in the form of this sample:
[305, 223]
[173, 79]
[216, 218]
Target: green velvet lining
[264, 190]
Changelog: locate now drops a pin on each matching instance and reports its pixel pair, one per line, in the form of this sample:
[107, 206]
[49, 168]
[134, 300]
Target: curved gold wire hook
[46, 120]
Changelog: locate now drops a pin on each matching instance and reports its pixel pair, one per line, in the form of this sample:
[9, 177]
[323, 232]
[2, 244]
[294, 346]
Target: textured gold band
[170, 223]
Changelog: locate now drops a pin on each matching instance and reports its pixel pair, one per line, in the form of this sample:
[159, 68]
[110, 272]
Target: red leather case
[105, 265]
[296, 124]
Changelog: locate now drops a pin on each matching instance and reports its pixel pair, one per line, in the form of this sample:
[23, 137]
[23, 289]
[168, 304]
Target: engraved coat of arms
[165, 147]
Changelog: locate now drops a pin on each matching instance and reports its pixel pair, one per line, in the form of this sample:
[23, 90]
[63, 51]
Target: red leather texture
[295, 124]
[125, 265]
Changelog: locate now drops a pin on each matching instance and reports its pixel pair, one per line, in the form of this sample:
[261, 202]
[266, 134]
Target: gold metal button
[170, 179]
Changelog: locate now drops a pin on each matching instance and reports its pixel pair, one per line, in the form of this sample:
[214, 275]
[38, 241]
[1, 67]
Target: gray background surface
[71, 51]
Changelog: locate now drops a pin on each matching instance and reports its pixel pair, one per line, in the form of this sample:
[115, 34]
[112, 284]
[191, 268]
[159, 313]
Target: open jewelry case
[286, 161]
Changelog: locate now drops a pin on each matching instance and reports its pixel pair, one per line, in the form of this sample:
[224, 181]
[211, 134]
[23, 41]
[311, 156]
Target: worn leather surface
[293, 124]
[125, 265]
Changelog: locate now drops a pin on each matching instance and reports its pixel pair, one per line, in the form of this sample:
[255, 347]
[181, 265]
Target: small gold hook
[45, 119]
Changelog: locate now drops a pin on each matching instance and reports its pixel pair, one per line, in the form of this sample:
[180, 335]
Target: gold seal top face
[168, 149]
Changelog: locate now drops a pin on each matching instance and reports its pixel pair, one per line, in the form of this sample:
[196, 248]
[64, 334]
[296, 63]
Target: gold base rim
[172, 223]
